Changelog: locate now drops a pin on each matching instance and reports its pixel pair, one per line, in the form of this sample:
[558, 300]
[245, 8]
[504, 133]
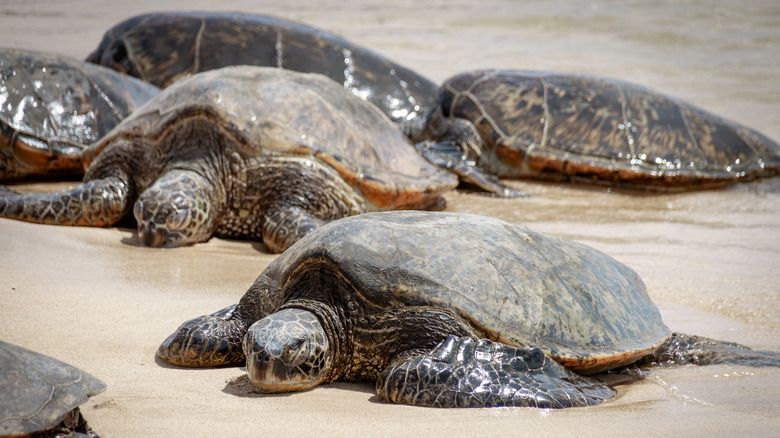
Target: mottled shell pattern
[566, 126]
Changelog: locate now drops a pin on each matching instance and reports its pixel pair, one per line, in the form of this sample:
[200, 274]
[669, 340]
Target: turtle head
[180, 208]
[287, 351]
[113, 49]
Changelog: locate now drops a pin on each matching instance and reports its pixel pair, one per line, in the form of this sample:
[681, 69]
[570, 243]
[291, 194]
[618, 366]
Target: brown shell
[52, 107]
[280, 112]
[508, 283]
[562, 126]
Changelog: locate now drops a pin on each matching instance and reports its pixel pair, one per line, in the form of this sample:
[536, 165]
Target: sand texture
[710, 259]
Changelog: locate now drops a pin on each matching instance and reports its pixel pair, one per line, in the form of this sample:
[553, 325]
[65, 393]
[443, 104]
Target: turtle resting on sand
[162, 47]
[52, 107]
[248, 152]
[40, 396]
[442, 309]
[522, 124]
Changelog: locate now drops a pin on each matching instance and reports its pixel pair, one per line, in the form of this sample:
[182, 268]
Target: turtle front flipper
[463, 372]
[682, 349]
[447, 155]
[206, 341]
[7, 191]
[284, 225]
[95, 203]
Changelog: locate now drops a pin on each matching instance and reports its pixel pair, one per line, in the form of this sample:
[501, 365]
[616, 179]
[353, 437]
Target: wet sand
[710, 259]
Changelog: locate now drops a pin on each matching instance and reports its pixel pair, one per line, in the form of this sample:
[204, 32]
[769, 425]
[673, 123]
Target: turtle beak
[273, 372]
[152, 235]
[269, 376]
[287, 351]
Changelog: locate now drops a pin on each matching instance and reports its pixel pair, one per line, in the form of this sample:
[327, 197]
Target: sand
[711, 259]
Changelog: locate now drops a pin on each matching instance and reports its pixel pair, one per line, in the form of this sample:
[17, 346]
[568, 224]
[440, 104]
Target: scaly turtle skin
[41, 395]
[574, 127]
[440, 309]
[162, 47]
[52, 107]
[248, 152]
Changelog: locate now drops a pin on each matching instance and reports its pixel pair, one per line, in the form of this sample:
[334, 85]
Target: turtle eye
[177, 212]
[294, 353]
[445, 102]
[117, 57]
[177, 218]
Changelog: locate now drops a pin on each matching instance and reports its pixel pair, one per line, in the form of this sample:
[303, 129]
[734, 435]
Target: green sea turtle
[243, 151]
[40, 396]
[523, 124]
[52, 107]
[163, 47]
[441, 309]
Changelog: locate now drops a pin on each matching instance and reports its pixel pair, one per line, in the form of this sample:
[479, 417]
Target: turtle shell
[52, 107]
[275, 112]
[202, 41]
[506, 282]
[563, 126]
[37, 391]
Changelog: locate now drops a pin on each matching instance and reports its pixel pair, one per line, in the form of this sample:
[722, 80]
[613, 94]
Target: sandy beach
[710, 259]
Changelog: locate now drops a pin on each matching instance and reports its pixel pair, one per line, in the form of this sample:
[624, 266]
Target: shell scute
[585, 118]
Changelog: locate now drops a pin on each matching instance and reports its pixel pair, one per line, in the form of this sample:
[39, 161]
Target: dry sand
[711, 260]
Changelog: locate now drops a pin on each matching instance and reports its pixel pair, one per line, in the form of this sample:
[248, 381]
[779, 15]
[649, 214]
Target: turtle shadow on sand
[241, 386]
[134, 239]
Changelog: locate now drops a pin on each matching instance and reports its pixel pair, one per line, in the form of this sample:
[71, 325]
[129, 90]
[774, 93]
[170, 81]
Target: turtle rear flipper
[462, 372]
[285, 225]
[206, 341]
[95, 203]
[448, 156]
[682, 349]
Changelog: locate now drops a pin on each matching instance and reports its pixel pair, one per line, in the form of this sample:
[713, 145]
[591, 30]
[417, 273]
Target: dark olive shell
[52, 107]
[163, 47]
[564, 126]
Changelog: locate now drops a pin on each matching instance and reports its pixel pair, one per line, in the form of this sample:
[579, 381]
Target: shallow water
[711, 259]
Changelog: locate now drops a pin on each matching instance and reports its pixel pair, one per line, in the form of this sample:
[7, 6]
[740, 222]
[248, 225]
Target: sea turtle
[163, 47]
[52, 107]
[582, 128]
[40, 396]
[441, 309]
[242, 152]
